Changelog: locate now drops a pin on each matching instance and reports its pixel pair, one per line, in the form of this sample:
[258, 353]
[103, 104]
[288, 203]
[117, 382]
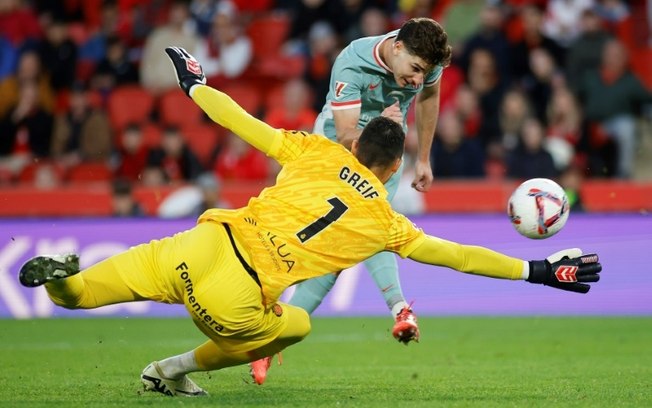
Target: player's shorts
[200, 269]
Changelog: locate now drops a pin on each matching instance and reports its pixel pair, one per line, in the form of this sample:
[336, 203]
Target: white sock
[177, 366]
[398, 307]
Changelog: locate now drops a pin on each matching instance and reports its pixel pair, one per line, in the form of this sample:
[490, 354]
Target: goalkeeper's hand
[566, 270]
[189, 72]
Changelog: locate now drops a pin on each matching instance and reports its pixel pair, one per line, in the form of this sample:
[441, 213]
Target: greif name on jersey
[361, 185]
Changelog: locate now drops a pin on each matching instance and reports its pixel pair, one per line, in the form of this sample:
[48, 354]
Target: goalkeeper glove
[566, 270]
[188, 71]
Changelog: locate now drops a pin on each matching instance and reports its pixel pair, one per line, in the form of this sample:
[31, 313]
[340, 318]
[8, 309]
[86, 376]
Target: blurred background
[93, 126]
[92, 122]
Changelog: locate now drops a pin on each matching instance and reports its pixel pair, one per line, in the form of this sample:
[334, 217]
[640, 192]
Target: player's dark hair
[426, 38]
[381, 142]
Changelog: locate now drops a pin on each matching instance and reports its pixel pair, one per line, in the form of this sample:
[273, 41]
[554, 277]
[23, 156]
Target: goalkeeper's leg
[210, 356]
[96, 286]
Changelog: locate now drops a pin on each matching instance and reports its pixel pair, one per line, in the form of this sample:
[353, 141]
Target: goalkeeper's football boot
[46, 268]
[406, 328]
[153, 380]
[260, 367]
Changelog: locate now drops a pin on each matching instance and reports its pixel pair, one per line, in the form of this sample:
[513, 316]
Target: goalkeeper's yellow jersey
[327, 212]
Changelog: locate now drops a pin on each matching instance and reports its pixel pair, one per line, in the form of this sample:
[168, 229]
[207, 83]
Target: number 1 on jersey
[339, 208]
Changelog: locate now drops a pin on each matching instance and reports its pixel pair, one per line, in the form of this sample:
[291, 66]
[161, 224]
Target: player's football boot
[153, 380]
[46, 268]
[406, 328]
[260, 367]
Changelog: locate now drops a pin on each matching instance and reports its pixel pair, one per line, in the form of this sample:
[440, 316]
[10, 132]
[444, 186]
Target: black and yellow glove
[188, 70]
[566, 270]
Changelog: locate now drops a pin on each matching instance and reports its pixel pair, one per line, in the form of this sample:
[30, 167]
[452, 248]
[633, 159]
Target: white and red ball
[538, 208]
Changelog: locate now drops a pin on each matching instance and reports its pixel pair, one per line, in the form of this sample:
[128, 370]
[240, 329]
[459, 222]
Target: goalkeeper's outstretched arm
[566, 270]
[219, 106]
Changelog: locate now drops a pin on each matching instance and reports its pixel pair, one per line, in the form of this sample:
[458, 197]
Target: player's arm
[219, 106]
[346, 125]
[567, 270]
[426, 114]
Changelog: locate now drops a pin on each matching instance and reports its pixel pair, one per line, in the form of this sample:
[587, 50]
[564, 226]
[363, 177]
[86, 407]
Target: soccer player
[327, 211]
[381, 76]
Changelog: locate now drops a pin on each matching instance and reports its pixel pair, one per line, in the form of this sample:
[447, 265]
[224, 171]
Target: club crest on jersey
[193, 66]
[277, 310]
[339, 87]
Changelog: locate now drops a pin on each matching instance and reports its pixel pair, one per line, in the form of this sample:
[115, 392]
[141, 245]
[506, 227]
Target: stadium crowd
[536, 88]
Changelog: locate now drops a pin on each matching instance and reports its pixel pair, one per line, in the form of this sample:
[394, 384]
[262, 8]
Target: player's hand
[566, 270]
[422, 176]
[189, 72]
[394, 113]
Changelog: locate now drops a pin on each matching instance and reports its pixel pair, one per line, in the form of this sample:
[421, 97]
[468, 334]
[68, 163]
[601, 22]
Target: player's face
[409, 70]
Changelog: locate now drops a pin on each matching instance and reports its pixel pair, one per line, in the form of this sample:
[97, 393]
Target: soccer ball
[538, 208]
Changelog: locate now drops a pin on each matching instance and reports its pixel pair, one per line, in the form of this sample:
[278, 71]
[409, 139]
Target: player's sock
[309, 294]
[383, 268]
[180, 365]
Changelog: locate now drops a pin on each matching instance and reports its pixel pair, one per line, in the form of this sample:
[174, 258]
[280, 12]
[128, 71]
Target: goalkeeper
[326, 212]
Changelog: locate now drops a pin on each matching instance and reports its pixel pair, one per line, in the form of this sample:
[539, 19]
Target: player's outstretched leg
[383, 269]
[46, 268]
[153, 380]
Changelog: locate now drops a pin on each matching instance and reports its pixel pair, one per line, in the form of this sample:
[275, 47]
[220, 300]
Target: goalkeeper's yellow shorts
[198, 268]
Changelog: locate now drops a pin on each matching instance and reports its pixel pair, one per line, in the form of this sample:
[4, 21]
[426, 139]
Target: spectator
[533, 38]
[323, 48]
[27, 127]
[294, 111]
[130, 159]
[227, 51]
[123, 202]
[175, 158]
[585, 52]
[490, 38]
[454, 155]
[82, 133]
[95, 48]
[59, 55]
[240, 161]
[515, 109]
[485, 81]
[203, 14]
[29, 70]
[530, 159]
[612, 98]
[372, 22]
[304, 15]
[562, 20]
[156, 73]
[467, 107]
[564, 127]
[539, 84]
[115, 68]
[571, 181]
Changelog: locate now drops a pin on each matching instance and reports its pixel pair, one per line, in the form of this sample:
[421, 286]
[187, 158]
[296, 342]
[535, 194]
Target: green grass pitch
[346, 362]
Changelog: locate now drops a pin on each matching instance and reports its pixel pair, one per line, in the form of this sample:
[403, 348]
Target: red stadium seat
[175, 109]
[245, 95]
[129, 103]
[89, 172]
[268, 33]
[202, 140]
